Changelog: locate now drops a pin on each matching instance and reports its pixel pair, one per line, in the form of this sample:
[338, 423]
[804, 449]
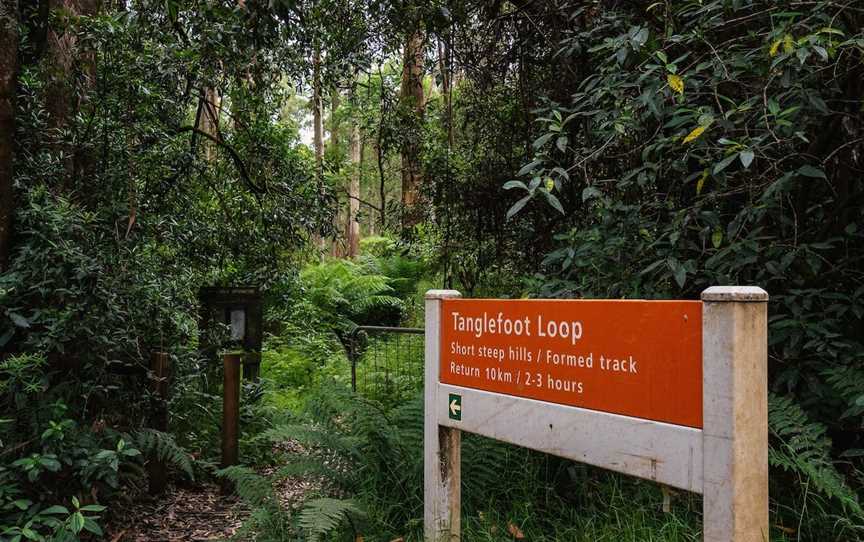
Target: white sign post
[726, 460]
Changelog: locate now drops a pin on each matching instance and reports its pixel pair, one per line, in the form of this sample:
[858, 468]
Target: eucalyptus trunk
[414, 102]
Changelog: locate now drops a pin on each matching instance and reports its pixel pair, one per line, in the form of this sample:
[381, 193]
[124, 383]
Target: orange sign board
[635, 358]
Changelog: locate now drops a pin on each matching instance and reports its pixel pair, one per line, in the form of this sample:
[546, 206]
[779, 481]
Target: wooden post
[230, 408]
[160, 367]
[442, 445]
[735, 414]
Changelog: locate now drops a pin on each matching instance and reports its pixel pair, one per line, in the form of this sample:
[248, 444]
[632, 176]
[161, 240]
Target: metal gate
[386, 362]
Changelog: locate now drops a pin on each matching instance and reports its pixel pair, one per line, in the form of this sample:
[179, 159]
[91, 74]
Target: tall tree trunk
[8, 83]
[317, 117]
[318, 134]
[335, 135]
[353, 225]
[210, 114]
[64, 99]
[414, 100]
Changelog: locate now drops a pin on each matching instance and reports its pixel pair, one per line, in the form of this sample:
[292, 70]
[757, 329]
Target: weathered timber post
[160, 367]
[442, 479]
[230, 410]
[735, 414]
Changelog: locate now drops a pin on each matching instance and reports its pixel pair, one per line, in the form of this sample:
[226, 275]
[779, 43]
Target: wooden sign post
[670, 391]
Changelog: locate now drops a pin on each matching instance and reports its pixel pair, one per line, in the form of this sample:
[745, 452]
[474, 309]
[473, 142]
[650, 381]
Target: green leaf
[542, 140]
[553, 201]
[590, 192]
[50, 463]
[723, 164]
[679, 273]
[93, 527]
[528, 168]
[717, 237]
[746, 158]
[76, 522]
[515, 184]
[561, 143]
[652, 267]
[19, 320]
[56, 509]
[93, 508]
[518, 206]
[811, 171]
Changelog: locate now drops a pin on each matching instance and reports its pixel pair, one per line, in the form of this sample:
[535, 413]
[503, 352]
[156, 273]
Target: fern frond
[802, 446]
[309, 436]
[251, 487]
[164, 448]
[320, 517]
[848, 381]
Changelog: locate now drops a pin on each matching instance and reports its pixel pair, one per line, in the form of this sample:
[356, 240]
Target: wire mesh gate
[386, 362]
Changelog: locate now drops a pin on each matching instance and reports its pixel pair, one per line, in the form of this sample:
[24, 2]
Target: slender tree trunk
[8, 82]
[382, 193]
[317, 117]
[335, 136]
[413, 99]
[353, 225]
[210, 120]
[318, 135]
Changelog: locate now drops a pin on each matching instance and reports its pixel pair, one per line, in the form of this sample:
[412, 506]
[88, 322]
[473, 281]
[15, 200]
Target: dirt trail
[181, 514]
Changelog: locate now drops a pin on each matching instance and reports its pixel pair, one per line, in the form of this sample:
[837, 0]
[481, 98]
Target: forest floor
[202, 512]
[188, 514]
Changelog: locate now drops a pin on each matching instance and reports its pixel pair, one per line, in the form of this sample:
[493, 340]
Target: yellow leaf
[550, 184]
[701, 182]
[772, 51]
[676, 83]
[788, 44]
[694, 134]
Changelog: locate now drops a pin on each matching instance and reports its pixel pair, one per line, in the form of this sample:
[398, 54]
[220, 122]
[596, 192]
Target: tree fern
[802, 446]
[320, 517]
[163, 447]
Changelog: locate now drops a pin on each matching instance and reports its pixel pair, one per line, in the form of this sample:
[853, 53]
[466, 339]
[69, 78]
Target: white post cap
[442, 294]
[735, 294]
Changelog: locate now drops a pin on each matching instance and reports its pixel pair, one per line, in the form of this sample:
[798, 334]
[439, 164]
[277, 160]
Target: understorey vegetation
[345, 156]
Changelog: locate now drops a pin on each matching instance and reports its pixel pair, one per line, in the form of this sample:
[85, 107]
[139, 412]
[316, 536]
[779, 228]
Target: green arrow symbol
[455, 407]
